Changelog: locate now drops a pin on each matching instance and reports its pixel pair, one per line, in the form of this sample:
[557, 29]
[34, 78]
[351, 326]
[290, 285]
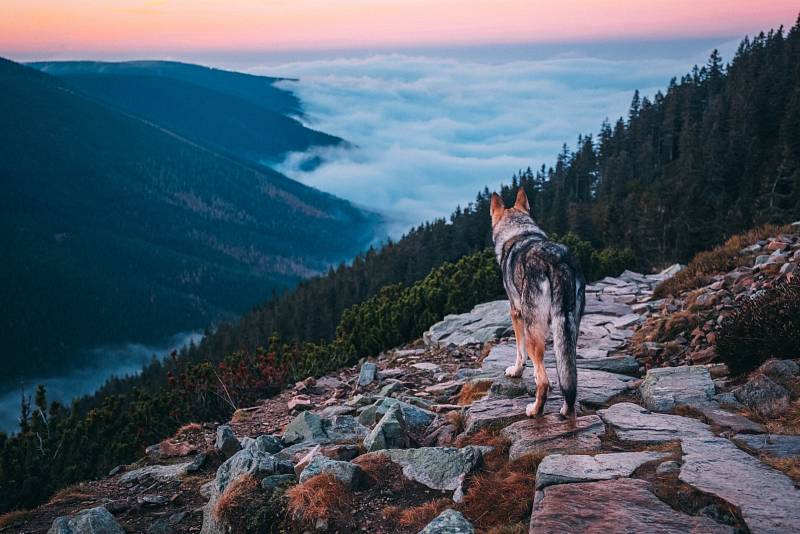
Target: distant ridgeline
[716, 154]
[118, 227]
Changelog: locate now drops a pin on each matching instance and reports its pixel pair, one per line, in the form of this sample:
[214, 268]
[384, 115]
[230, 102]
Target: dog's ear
[496, 207]
[522, 201]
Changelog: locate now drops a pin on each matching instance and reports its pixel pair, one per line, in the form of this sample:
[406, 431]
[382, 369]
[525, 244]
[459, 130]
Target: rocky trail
[422, 436]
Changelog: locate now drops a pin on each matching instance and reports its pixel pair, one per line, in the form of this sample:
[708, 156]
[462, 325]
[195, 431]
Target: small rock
[255, 463]
[300, 402]
[273, 482]
[154, 473]
[226, 441]
[266, 443]
[347, 473]
[389, 433]
[415, 418]
[306, 459]
[762, 395]
[665, 468]
[116, 470]
[91, 521]
[367, 373]
[427, 366]
[449, 522]
[153, 500]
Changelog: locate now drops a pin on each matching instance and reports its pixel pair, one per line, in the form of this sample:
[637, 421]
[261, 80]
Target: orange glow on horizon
[29, 26]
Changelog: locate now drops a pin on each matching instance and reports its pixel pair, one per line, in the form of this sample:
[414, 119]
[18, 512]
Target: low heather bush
[766, 326]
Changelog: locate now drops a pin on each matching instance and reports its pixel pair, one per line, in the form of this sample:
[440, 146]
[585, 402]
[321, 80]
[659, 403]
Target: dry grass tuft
[492, 438]
[323, 498]
[76, 492]
[418, 516]
[472, 391]
[457, 419]
[381, 471]
[10, 519]
[499, 497]
[233, 504]
[720, 259]
[785, 421]
[789, 466]
[187, 431]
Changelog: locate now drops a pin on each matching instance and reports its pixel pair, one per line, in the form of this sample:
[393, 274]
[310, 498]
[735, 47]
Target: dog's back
[544, 282]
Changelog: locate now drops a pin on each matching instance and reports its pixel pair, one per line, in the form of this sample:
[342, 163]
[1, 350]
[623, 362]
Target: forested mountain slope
[117, 230]
[220, 109]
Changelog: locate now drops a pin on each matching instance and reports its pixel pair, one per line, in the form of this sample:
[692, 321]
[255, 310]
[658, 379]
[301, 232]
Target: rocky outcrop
[92, 521]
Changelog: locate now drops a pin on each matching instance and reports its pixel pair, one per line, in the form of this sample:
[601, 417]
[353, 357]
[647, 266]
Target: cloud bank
[430, 132]
[117, 360]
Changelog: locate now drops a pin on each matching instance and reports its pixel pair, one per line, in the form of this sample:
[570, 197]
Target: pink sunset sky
[85, 26]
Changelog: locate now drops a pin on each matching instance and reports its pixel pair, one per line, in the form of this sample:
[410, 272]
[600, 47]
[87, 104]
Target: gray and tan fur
[546, 289]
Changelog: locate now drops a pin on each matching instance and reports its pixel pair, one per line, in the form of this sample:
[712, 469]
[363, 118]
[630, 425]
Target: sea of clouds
[115, 360]
[430, 131]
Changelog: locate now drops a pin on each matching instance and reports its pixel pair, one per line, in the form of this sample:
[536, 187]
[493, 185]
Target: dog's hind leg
[534, 345]
[515, 371]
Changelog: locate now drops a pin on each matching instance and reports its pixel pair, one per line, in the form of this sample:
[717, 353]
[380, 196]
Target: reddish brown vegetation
[233, 504]
[417, 517]
[472, 391]
[321, 498]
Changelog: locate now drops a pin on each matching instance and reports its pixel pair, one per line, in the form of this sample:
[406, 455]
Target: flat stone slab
[622, 364]
[740, 424]
[631, 422]
[155, 473]
[486, 322]
[502, 356]
[666, 388]
[614, 309]
[439, 468]
[771, 444]
[766, 498]
[552, 434]
[621, 505]
[500, 412]
[569, 468]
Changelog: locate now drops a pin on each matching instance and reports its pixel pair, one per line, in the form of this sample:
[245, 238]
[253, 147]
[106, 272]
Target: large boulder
[667, 388]
[449, 522]
[91, 521]
[486, 322]
[416, 419]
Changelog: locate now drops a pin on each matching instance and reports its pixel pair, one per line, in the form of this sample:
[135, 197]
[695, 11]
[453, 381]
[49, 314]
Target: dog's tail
[565, 315]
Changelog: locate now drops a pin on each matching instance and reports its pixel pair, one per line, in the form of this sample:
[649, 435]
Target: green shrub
[767, 326]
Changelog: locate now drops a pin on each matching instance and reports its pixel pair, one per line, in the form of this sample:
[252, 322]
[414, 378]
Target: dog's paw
[567, 411]
[534, 409]
[514, 371]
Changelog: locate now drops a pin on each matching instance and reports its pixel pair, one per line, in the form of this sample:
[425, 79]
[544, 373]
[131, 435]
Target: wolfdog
[545, 287]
